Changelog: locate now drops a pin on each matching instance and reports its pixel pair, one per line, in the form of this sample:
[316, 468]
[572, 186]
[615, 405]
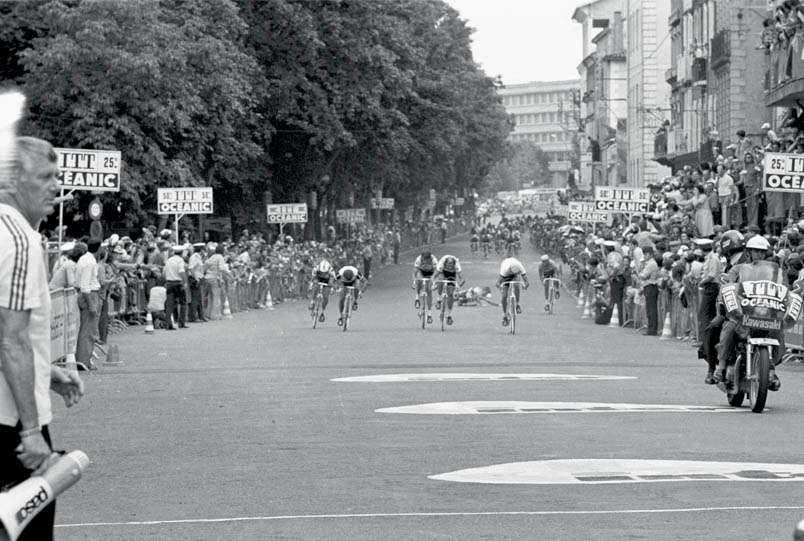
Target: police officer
[707, 312]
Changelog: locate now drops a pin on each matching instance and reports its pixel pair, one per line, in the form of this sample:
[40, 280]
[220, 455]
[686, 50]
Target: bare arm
[18, 363]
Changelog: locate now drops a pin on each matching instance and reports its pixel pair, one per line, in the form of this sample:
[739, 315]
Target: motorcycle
[761, 306]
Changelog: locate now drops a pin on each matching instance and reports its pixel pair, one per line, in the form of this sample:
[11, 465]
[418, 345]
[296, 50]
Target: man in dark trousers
[707, 312]
[177, 288]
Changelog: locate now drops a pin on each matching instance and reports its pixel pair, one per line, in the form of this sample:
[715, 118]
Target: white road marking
[386, 378]
[503, 407]
[616, 471]
[436, 515]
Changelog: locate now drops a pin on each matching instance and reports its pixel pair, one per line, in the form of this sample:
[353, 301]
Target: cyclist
[513, 242]
[486, 238]
[322, 275]
[348, 276]
[448, 268]
[510, 270]
[474, 241]
[547, 269]
[424, 267]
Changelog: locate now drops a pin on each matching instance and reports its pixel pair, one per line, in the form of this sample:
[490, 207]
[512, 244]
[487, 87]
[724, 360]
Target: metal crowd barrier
[684, 320]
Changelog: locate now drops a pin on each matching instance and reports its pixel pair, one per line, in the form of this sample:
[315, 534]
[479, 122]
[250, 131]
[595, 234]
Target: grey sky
[524, 40]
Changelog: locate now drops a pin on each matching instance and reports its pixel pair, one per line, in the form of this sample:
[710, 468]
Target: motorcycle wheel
[758, 386]
[735, 399]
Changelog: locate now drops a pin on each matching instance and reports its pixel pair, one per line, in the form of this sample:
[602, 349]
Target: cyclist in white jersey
[424, 267]
[349, 276]
[448, 268]
[323, 275]
[510, 270]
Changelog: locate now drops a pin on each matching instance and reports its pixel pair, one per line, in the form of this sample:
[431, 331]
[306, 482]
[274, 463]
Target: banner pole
[61, 219]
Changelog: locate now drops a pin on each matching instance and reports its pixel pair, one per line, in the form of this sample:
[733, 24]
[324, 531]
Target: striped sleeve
[19, 267]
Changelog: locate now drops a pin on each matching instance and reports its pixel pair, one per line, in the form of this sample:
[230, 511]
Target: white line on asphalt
[443, 514]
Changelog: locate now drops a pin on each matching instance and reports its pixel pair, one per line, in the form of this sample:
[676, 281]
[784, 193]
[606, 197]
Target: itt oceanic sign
[290, 213]
[584, 211]
[622, 200]
[93, 170]
[184, 201]
[783, 173]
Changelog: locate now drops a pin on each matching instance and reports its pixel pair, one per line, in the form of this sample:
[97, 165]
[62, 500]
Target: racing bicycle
[317, 311]
[423, 293]
[552, 285]
[442, 300]
[510, 311]
[348, 305]
[473, 246]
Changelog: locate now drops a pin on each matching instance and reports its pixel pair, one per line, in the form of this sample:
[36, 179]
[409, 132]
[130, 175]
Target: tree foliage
[291, 96]
[526, 164]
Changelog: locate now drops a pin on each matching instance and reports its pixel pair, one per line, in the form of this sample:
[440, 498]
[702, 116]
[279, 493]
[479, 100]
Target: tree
[525, 164]
[166, 83]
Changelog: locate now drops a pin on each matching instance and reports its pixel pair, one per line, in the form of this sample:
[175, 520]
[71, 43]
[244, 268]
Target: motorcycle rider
[756, 249]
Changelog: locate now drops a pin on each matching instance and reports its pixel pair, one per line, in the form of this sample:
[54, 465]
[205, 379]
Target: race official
[177, 287]
[89, 303]
[26, 373]
[707, 312]
[195, 270]
[649, 277]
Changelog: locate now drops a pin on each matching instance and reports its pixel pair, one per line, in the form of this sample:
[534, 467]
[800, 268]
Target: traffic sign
[350, 216]
[184, 201]
[291, 213]
[92, 170]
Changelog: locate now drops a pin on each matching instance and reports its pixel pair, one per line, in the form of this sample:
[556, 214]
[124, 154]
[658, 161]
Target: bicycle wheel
[316, 310]
[552, 298]
[347, 311]
[512, 315]
[423, 309]
[443, 309]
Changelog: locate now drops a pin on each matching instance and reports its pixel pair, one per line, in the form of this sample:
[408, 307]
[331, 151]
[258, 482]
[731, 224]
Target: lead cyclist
[323, 275]
[511, 270]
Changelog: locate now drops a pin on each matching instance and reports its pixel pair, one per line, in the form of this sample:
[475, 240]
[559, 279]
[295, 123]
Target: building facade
[716, 88]
[648, 52]
[604, 88]
[542, 113]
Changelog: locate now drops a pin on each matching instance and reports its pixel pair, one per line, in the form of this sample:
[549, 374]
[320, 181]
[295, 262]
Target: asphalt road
[235, 430]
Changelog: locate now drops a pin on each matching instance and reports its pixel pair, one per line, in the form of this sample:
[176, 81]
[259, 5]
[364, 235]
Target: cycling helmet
[732, 242]
[757, 243]
[324, 267]
[545, 257]
[348, 275]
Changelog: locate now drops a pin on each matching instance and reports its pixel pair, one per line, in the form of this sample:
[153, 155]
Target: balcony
[785, 78]
[681, 144]
[721, 49]
[699, 72]
[670, 75]
[660, 148]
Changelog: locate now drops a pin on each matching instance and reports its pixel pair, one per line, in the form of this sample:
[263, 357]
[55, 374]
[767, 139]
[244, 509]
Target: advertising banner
[783, 173]
[184, 201]
[350, 216]
[91, 170]
[622, 200]
[290, 213]
[584, 211]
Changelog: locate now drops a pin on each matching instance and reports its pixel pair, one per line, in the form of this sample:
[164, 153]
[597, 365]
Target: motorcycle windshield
[760, 270]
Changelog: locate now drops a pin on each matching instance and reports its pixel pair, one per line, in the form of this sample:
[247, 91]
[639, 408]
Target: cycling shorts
[512, 278]
[426, 273]
[449, 275]
[322, 281]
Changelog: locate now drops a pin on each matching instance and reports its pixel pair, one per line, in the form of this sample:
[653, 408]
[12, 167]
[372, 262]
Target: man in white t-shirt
[26, 373]
[725, 193]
